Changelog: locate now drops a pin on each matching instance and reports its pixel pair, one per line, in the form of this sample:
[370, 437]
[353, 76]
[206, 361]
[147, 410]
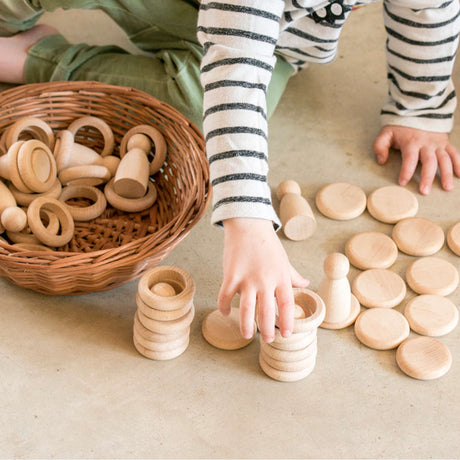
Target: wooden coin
[432, 275]
[160, 355]
[294, 341]
[354, 312]
[431, 315]
[162, 315]
[379, 288]
[341, 201]
[368, 250]
[224, 331]
[391, 204]
[167, 327]
[289, 355]
[289, 366]
[381, 328]
[453, 238]
[417, 236]
[284, 376]
[424, 358]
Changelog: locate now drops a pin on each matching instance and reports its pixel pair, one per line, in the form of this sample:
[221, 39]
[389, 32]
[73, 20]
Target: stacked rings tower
[164, 313]
[293, 358]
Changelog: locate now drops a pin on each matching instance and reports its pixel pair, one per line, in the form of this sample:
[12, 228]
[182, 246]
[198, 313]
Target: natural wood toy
[84, 213]
[132, 176]
[12, 218]
[417, 236]
[432, 275]
[453, 238]
[157, 140]
[391, 204]
[43, 233]
[381, 328]
[24, 199]
[90, 175]
[424, 358]
[379, 288]
[164, 314]
[69, 153]
[29, 165]
[295, 213]
[96, 124]
[368, 250]
[431, 315]
[223, 332]
[130, 204]
[292, 358]
[342, 307]
[33, 127]
[341, 201]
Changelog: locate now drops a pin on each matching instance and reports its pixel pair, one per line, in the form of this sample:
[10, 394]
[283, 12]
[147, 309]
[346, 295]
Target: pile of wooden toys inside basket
[47, 175]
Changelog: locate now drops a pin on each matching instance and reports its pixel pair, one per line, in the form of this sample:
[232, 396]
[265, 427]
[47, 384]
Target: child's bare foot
[13, 52]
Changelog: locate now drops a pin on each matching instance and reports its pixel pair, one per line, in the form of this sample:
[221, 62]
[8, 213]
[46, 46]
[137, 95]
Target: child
[247, 51]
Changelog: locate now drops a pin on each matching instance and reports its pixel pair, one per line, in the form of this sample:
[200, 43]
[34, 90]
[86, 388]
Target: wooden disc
[431, 315]
[289, 355]
[289, 366]
[368, 250]
[381, 328]
[417, 236]
[424, 358]
[224, 331]
[284, 376]
[341, 201]
[432, 275]
[160, 355]
[391, 204]
[379, 288]
[354, 312]
[294, 341]
[453, 238]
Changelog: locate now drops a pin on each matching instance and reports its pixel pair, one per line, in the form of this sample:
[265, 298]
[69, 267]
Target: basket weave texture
[117, 246]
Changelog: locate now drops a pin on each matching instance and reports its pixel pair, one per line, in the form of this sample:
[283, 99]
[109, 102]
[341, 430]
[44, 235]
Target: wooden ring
[27, 237]
[160, 355]
[130, 204]
[101, 126]
[24, 199]
[181, 281]
[167, 327]
[157, 139]
[161, 315]
[40, 231]
[85, 213]
[160, 346]
[85, 175]
[15, 177]
[31, 174]
[154, 336]
[38, 127]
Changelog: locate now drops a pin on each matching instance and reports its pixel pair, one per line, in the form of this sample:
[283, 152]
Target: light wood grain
[424, 358]
[341, 201]
[84, 213]
[392, 203]
[283, 376]
[432, 275]
[130, 204]
[453, 238]
[160, 355]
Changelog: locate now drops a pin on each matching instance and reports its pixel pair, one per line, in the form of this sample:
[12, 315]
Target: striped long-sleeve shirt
[240, 39]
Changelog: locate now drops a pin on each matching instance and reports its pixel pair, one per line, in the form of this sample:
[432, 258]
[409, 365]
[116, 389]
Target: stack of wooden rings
[294, 358]
[164, 313]
[42, 171]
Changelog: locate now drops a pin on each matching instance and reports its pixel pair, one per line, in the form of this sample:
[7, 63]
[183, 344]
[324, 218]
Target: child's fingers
[266, 316]
[409, 155]
[455, 157]
[247, 313]
[297, 280]
[429, 168]
[382, 145]
[445, 169]
[285, 301]
[224, 299]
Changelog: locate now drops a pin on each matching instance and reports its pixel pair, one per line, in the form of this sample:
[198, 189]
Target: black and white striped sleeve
[421, 47]
[238, 38]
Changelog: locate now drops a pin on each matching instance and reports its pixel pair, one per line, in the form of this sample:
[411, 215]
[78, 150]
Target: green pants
[164, 28]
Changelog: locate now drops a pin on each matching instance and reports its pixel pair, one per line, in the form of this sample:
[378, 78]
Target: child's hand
[257, 268]
[433, 150]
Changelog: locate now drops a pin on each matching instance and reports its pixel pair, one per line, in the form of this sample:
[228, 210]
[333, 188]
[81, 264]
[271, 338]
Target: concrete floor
[73, 386]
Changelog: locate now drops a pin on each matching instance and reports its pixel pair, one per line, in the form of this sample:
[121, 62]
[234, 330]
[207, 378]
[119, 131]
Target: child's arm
[421, 48]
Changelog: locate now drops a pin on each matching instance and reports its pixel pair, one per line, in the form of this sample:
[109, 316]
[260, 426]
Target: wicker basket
[116, 247]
